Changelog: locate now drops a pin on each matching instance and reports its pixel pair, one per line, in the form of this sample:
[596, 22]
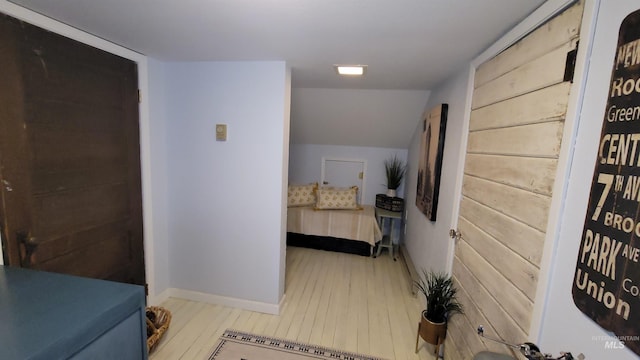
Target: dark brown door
[69, 156]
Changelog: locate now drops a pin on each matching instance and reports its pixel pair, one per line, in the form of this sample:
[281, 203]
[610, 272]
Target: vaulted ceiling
[407, 44]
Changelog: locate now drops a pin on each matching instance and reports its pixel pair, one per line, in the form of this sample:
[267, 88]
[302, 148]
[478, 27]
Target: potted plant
[394, 169]
[440, 295]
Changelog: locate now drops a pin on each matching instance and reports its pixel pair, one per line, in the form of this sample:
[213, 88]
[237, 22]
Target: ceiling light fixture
[350, 70]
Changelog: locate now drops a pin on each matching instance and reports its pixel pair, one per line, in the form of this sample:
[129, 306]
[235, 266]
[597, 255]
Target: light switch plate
[221, 132]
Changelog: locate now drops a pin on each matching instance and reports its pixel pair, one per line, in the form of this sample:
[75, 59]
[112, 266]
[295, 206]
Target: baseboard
[160, 298]
[411, 269]
[266, 308]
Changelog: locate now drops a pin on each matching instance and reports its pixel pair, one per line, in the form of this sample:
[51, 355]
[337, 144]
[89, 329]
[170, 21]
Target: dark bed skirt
[329, 243]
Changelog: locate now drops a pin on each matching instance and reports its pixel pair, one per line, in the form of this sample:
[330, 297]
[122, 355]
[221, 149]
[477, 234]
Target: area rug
[236, 345]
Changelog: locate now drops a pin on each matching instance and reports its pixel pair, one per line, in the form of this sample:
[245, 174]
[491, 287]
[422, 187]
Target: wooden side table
[387, 240]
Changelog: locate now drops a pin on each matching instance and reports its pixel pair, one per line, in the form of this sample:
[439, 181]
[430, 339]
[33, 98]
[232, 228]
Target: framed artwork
[434, 124]
[607, 274]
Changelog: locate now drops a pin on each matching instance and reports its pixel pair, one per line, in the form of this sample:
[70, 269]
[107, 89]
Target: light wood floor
[348, 302]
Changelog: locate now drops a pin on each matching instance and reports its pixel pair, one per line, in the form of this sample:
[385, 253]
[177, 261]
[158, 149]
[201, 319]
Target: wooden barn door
[69, 156]
[518, 109]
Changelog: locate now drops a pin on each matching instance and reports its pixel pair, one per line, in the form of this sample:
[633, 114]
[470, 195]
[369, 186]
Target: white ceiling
[408, 44]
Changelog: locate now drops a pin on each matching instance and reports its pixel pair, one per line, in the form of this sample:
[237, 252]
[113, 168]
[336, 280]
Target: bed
[349, 231]
[330, 218]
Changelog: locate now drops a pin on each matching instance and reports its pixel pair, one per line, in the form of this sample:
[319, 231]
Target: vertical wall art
[607, 278]
[430, 160]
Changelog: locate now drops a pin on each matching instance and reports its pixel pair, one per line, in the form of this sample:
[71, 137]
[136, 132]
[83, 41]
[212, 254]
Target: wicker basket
[157, 325]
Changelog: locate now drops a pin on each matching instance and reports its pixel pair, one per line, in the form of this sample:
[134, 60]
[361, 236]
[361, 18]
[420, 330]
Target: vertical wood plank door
[69, 156]
[516, 127]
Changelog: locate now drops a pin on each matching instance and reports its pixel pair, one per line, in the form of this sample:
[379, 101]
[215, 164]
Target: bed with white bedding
[352, 231]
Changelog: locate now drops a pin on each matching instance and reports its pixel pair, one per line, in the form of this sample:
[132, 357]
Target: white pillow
[330, 198]
[301, 195]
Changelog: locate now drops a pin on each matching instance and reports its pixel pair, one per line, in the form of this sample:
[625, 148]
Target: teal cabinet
[54, 316]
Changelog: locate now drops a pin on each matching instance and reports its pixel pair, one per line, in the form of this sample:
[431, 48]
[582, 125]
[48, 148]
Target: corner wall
[428, 243]
[226, 197]
[157, 96]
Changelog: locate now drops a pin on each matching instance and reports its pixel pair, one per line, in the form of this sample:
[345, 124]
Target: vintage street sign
[606, 285]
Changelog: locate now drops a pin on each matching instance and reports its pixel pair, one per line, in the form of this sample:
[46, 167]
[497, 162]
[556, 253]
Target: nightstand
[387, 240]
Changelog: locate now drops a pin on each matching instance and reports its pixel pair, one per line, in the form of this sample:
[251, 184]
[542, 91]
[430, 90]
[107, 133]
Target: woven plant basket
[157, 325]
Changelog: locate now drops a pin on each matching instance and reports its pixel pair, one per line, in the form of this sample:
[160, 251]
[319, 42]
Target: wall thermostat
[221, 132]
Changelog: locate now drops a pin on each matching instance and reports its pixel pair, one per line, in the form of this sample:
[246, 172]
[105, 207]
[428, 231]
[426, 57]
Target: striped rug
[236, 345]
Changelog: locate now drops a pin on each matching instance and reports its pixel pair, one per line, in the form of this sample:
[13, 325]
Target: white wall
[428, 243]
[305, 165]
[564, 327]
[157, 95]
[283, 184]
[385, 118]
[226, 198]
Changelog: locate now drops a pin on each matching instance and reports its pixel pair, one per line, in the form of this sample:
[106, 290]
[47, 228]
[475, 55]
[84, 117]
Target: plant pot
[391, 192]
[433, 333]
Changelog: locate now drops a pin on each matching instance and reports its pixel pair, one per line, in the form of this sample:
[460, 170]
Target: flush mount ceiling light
[350, 70]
